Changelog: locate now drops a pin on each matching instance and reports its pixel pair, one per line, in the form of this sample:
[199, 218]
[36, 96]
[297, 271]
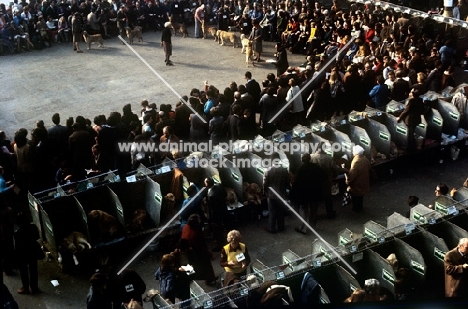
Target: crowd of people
[391, 58]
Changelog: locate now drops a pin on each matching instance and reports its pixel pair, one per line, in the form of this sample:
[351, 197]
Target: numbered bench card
[240, 257]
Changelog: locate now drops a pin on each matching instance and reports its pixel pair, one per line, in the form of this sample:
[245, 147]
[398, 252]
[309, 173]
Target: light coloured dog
[245, 42]
[247, 48]
[76, 242]
[90, 38]
[212, 31]
[227, 36]
[135, 33]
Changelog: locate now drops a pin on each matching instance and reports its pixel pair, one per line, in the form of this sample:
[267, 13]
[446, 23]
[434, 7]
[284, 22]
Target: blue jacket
[379, 95]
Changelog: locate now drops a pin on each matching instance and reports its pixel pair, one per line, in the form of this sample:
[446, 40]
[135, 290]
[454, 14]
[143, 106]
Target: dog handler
[166, 42]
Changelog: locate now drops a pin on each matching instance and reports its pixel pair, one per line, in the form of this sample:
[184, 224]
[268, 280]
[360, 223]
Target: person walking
[456, 270]
[357, 178]
[166, 42]
[275, 178]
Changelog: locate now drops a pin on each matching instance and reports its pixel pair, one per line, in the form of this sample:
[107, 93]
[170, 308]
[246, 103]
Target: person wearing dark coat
[166, 42]
[282, 63]
[306, 191]
[181, 121]
[216, 205]
[268, 108]
[411, 115]
[401, 87]
[233, 123]
[27, 249]
[456, 270]
[97, 298]
[276, 178]
[320, 107]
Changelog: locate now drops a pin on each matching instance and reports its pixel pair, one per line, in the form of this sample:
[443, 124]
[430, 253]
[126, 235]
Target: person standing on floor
[166, 42]
[328, 164]
[358, 179]
[256, 38]
[276, 178]
[27, 253]
[199, 21]
[306, 191]
[456, 270]
[77, 31]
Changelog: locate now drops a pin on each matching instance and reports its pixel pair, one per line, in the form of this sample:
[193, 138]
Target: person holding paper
[234, 258]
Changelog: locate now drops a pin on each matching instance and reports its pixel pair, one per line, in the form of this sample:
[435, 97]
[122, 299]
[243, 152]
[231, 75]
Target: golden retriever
[104, 225]
[247, 48]
[90, 38]
[179, 27]
[135, 33]
[212, 31]
[227, 36]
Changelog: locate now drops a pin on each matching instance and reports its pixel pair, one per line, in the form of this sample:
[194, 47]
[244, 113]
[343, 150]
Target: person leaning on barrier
[234, 258]
[411, 116]
[456, 270]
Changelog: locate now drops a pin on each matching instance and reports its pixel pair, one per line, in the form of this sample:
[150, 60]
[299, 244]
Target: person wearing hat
[166, 42]
[358, 179]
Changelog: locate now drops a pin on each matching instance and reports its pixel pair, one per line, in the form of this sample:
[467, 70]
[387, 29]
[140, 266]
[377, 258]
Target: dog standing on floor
[212, 31]
[135, 33]
[179, 27]
[227, 36]
[90, 38]
[247, 48]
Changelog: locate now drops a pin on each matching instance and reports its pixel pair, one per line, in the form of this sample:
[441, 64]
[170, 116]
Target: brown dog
[90, 38]
[167, 206]
[135, 33]
[138, 220]
[179, 27]
[212, 31]
[104, 225]
[227, 36]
